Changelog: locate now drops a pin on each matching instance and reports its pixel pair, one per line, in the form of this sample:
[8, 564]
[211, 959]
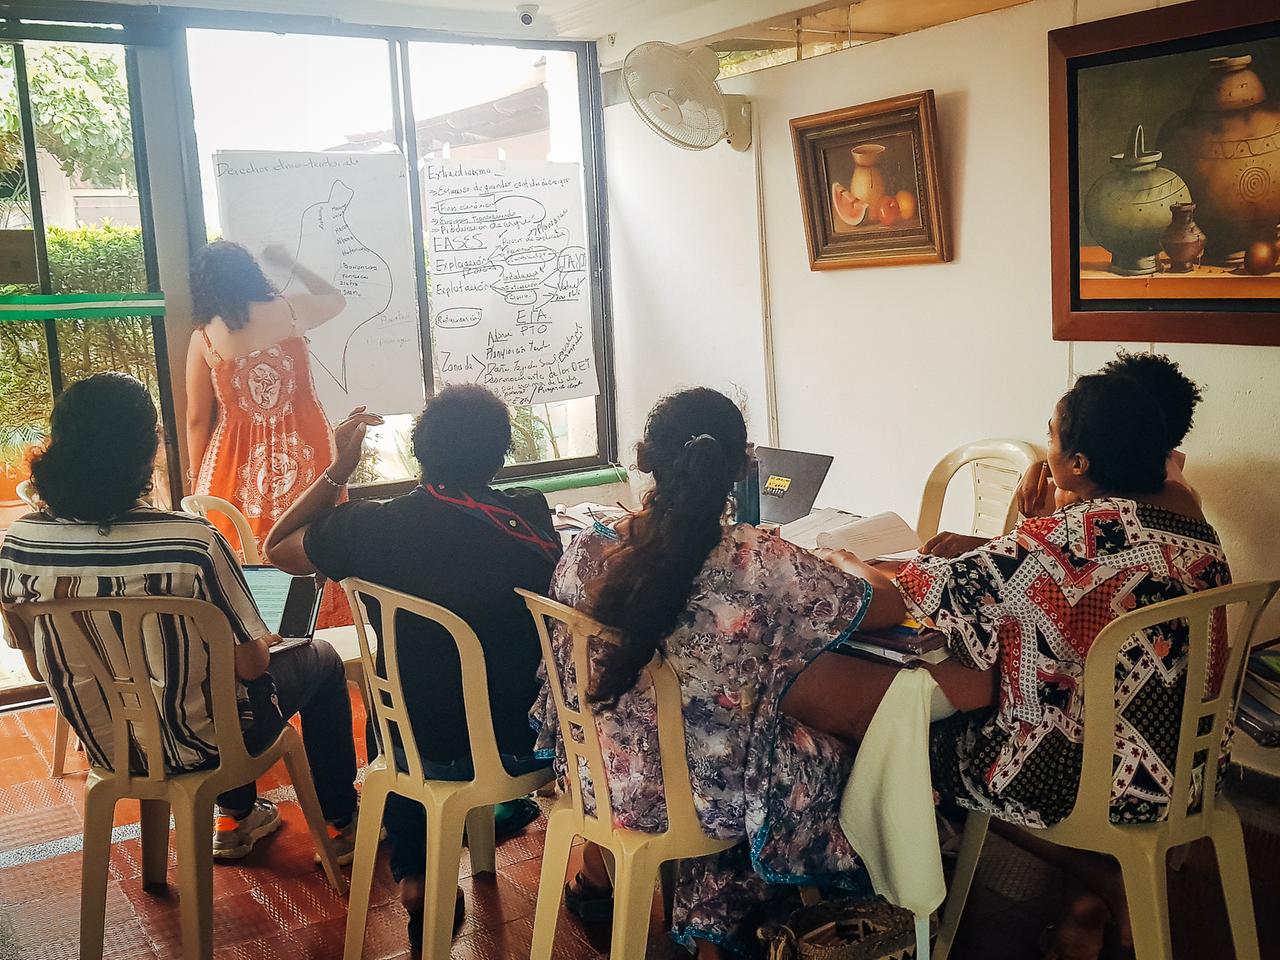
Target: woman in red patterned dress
[256, 433]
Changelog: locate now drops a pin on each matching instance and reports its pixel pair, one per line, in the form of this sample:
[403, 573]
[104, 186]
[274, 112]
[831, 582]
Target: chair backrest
[109, 635]
[998, 465]
[202, 505]
[26, 491]
[390, 710]
[578, 724]
[1200, 704]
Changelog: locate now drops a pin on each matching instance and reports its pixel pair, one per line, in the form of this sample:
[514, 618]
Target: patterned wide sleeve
[816, 602]
[964, 598]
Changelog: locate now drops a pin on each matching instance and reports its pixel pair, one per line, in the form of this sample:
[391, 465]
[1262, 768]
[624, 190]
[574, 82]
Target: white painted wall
[686, 274]
[888, 368]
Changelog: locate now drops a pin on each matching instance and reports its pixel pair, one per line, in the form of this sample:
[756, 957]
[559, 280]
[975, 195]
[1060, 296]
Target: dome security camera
[527, 12]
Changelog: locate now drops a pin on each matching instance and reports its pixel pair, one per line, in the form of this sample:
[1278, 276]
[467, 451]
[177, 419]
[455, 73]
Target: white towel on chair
[887, 809]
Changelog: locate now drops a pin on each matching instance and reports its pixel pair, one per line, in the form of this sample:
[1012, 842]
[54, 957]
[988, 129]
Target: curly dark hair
[1161, 377]
[695, 445]
[102, 449]
[462, 437]
[1119, 426]
[225, 279]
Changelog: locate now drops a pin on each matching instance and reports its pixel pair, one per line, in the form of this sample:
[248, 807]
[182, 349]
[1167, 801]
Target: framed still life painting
[869, 185]
[1165, 175]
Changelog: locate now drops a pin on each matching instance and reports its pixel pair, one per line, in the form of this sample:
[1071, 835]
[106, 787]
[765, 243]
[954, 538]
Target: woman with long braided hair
[741, 615]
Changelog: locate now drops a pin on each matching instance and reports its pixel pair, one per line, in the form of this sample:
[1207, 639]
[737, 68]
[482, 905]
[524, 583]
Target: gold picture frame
[870, 188]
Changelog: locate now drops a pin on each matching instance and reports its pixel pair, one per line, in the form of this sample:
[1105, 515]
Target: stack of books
[1259, 714]
[907, 643]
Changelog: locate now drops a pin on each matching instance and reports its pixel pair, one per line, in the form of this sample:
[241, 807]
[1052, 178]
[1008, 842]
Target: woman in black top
[453, 540]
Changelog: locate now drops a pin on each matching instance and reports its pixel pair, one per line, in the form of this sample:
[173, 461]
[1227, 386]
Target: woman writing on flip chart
[256, 433]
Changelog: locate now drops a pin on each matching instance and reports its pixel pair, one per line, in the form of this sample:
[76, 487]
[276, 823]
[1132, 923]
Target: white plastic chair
[26, 491]
[117, 658]
[202, 505]
[1142, 848]
[638, 856]
[62, 735]
[452, 806]
[998, 465]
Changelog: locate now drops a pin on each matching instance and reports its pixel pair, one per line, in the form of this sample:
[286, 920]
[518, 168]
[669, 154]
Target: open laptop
[289, 605]
[789, 483]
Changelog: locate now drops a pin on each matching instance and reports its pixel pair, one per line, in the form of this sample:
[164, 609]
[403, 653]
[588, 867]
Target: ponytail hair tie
[702, 436]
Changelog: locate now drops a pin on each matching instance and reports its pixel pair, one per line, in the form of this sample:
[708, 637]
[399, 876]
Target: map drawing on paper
[510, 279]
[345, 216]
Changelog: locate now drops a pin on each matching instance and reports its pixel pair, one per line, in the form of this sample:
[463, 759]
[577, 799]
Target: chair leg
[295, 760]
[555, 864]
[668, 876]
[155, 843]
[1233, 867]
[480, 840]
[373, 800]
[99, 814]
[444, 848]
[61, 731]
[1146, 889]
[632, 906]
[193, 827]
[975, 835]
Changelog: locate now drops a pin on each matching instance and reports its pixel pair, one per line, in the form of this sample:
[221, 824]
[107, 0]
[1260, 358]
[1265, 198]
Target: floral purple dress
[760, 612]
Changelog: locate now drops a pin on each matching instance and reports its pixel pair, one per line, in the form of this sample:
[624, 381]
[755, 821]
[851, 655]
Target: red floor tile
[276, 904]
[28, 827]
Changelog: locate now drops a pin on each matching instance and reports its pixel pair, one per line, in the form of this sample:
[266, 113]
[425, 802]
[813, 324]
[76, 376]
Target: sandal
[588, 902]
[416, 921]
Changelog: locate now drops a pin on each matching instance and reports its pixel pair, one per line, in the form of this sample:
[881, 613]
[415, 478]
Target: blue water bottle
[746, 492]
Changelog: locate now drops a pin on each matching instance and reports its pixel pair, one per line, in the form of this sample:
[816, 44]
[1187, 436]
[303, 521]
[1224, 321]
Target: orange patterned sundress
[272, 438]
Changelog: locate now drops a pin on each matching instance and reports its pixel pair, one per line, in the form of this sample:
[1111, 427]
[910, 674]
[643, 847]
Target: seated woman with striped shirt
[97, 537]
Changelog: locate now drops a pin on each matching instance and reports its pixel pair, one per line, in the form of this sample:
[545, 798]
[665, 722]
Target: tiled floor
[275, 905]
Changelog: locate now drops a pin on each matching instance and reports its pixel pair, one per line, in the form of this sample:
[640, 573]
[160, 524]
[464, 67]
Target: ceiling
[618, 25]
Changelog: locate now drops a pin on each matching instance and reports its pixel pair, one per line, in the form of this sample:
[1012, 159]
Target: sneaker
[233, 838]
[342, 840]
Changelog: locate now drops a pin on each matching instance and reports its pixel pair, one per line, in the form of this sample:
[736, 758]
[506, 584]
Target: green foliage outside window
[80, 108]
[106, 259]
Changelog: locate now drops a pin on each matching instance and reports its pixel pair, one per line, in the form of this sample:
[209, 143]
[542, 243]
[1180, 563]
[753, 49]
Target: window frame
[16, 32]
[130, 25]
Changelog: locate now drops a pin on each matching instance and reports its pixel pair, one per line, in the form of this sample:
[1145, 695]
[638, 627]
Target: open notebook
[867, 538]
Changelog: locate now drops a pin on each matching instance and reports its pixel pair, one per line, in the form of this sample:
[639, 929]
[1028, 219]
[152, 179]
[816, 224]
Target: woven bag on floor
[843, 930]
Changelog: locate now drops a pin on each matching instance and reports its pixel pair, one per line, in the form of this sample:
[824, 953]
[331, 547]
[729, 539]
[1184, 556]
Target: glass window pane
[285, 94]
[26, 397]
[25, 403]
[268, 91]
[84, 142]
[502, 103]
[89, 201]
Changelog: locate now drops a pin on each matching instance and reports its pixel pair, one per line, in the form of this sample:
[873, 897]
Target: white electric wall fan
[676, 94]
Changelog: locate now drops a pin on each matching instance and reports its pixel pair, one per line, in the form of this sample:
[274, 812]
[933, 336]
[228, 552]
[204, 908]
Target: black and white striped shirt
[146, 553]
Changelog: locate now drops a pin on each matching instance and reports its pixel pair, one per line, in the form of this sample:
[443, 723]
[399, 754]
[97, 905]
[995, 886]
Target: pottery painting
[869, 184]
[873, 185]
[1164, 175]
[1209, 146]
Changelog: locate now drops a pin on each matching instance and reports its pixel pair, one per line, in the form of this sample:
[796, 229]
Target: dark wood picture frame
[882, 237]
[1178, 28]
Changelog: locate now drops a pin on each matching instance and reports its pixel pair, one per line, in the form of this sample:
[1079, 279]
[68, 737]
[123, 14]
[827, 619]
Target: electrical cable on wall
[766, 312]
